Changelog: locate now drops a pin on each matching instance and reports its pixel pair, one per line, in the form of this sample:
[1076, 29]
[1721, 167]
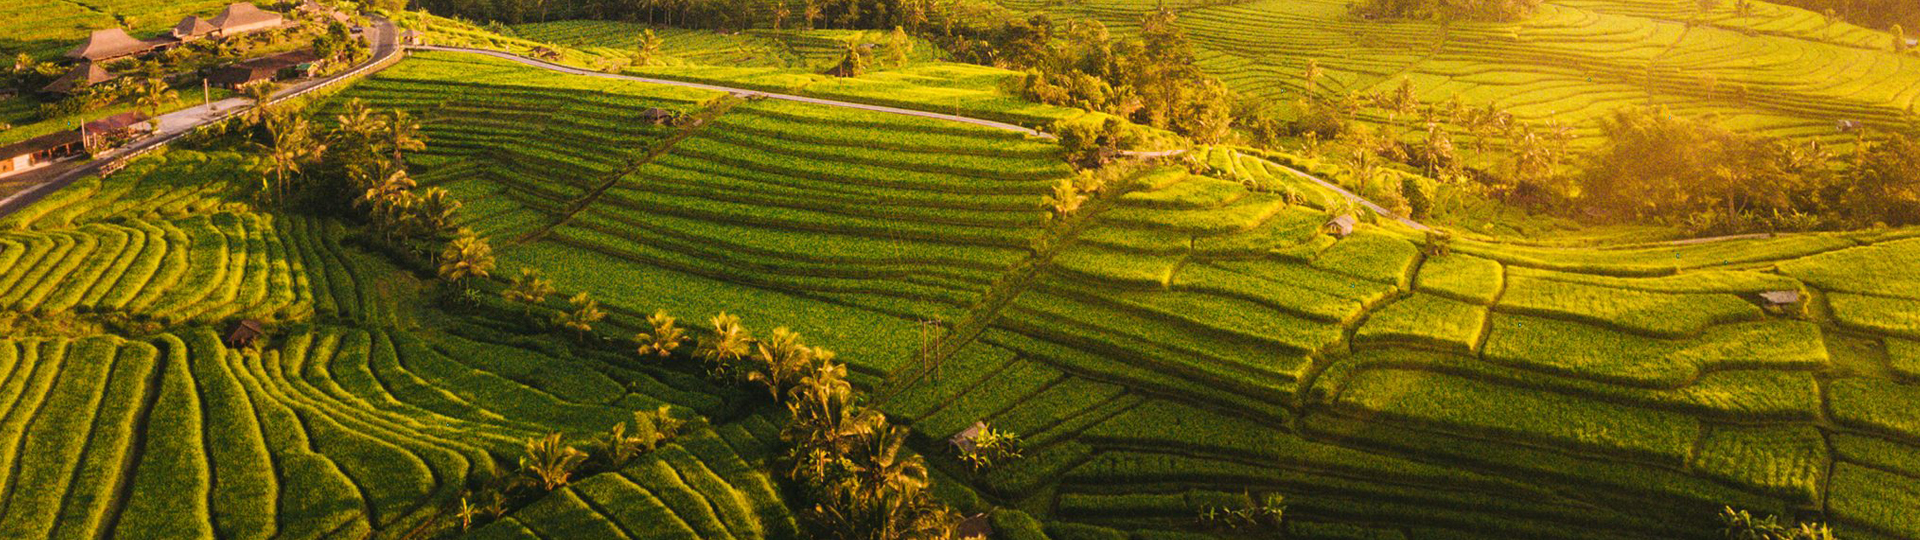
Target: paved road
[742, 92]
[171, 126]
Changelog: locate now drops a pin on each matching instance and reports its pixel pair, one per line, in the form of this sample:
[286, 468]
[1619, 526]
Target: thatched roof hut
[109, 44]
[81, 76]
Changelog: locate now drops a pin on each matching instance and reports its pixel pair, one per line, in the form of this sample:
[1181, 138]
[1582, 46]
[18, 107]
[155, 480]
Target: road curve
[742, 92]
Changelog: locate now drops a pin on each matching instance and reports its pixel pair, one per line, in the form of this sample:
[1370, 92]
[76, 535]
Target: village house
[20, 157]
[192, 29]
[299, 63]
[106, 132]
[81, 76]
[242, 18]
[1341, 226]
[112, 44]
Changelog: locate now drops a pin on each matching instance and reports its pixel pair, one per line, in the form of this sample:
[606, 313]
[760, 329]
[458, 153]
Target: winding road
[383, 37]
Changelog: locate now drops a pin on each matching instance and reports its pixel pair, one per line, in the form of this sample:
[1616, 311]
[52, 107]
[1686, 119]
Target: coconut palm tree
[260, 94]
[665, 338]
[586, 311]
[550, 462]
[465, 257]
[293, 147]
[403, 135]
[153, 94]
[779, 361]
[435, 212]
[726, 346]
[528, 288]
[649, 50]
[358, 133]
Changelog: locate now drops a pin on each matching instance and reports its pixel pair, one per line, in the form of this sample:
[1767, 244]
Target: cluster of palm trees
[531, 289]
[847, 459]
[549, 463]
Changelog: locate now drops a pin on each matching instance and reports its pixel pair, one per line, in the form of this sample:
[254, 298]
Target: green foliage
[1447, 10]
[549, 462]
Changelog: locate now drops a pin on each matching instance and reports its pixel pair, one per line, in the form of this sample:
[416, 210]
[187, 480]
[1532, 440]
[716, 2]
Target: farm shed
[268, 68]
[240, 18]
[101, 132]
[974, 527]
[1779, 298]
[81, 76]
[192, 28]
[1849, 126]
[1342, 226]
[967, 440]
[34, 153]
[658, 116]
[244, 333]
[112, 43]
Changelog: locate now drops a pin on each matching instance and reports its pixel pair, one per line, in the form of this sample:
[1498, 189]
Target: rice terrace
[960, 269]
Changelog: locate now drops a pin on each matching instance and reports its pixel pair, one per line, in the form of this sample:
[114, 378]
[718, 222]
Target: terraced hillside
[1774, 70]
[1189, 341]
[519, 145]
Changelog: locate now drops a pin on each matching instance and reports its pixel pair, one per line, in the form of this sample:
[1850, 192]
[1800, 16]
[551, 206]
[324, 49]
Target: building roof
[81, 76]
[244, 332]
[118, 122]
[110, 43]
[965, 440]
[192, 26]
[243, 14]
[974, 526]
[43, 142]
[1780, 298]
[656, 113]
[1343, 225]
[259, 69]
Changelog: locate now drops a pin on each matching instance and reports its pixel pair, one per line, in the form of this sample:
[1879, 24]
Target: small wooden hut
[244, 333]
[1342, 226]
[37, 152]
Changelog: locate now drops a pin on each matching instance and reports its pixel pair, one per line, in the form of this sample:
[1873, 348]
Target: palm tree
[154, 94]
[550, 462]
[434, 212]
[359, 133]
[260, 93]
[293, 147]
[404, 135]
[729, 343]
[390, 186]
[466, 256]
[649, 49]
[528, 288]
[811, 13]
[586, 311]
[1066, 198]
[779, 361]
[665, 338]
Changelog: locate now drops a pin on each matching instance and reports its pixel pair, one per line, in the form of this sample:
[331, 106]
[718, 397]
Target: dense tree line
[1878, 14]
[1659, 167]
[1150, 79]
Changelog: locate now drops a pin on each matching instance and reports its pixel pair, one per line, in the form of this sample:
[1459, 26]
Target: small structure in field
[544, 53]
[267, 68]
[37, 152]
[111, 44]
[1780, 299]
[1342, 226]
[969, 439]
[244, 333]
[81, 76]
[1849, 126]
[974, 527]
[410, 37]
[659, 117]
[107, 131]
[193, 28]
[243, 18]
